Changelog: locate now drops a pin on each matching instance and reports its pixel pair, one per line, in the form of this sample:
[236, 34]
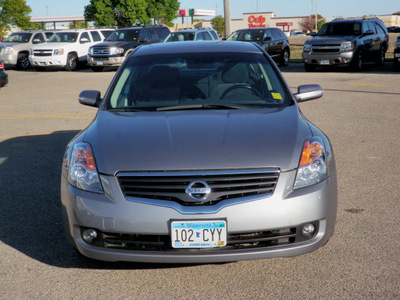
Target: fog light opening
[308, 230]
[90, 235]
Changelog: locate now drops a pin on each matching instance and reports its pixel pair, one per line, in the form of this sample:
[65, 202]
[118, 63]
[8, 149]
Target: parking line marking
[367, 84]
[36, 104]
[55, 116]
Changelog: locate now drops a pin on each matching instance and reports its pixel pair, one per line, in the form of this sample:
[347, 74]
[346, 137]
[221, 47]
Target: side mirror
[84, 40]
[308, 92]
[267, 39]
[143, 40]
[313, 34]
[36, 41]
[90, 98]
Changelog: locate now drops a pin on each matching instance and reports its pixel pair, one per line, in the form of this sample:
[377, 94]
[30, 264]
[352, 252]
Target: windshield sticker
[277, 96]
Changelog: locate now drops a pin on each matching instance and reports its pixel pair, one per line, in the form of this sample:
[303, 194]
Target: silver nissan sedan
[198, 153]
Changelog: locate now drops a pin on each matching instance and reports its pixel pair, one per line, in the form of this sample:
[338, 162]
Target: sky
[281, 8]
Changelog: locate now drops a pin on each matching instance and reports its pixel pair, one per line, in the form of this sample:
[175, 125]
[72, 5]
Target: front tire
[357, 62]
[23, 62]
[72, 62]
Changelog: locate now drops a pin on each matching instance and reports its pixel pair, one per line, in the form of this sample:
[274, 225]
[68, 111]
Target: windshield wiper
[200, 106]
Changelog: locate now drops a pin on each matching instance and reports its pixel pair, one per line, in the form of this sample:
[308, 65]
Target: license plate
[198, 234]
[324, 62]
[99, 63]
[397, 55]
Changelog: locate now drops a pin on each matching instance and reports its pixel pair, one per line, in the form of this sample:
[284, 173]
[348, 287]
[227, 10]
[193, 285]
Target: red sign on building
[255, 22]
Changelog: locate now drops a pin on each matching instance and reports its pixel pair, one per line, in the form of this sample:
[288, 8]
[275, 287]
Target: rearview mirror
[90, 98]
[308, 92]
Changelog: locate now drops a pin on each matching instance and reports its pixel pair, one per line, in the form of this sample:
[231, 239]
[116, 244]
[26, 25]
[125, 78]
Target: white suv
[67, 48]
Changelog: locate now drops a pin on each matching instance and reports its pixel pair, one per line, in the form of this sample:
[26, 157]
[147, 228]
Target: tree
[14, 13]
[308, 23]
[218, 23]
[124, 13]
[77, 24]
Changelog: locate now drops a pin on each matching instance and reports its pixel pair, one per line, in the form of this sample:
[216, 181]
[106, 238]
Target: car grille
[223, 185]
[44, 52]
[247, 240]
[99, 51]
[326, 48]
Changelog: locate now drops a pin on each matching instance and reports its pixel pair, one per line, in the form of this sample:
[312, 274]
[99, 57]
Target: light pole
[227, 16]
[316, 15]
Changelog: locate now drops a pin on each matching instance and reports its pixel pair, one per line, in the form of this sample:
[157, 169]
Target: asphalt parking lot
[39, 114]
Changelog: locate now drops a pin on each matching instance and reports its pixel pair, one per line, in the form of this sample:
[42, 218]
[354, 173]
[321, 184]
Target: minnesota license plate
[324, 62]
[198, 234]
[99, 63]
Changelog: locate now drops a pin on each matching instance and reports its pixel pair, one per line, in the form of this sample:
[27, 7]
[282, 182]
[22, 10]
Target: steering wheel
[240, 86]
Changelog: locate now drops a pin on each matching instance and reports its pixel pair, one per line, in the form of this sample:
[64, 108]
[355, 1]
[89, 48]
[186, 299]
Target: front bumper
[48, 61]
[9, 59]
[327, 59]
[112, 61]
[286, 208]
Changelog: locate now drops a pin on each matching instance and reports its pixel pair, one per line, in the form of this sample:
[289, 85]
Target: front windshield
[340, 28]
[18, 38]
[63, 37]
[180, 37]
[123, 35]
[246, 35]
[155, 82]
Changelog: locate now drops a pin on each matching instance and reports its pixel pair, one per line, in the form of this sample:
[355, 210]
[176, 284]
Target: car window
[106, 33]
[246, 35]
[163, 32]
[63, 37]
[124, 35]
[38, 36]
[143, 34]
[153, 34]
[48, 34]
[341, 28]
[95, 36]
[214, 34]
[379, 29]
[180, 37]
[199, 36]
[85, 35]
[207, 36]
[197, 79]
[371, 26]
[18, 38]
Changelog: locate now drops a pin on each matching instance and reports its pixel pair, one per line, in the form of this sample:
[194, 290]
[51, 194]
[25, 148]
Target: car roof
[196, 47]
[257, 28]
[192, 30]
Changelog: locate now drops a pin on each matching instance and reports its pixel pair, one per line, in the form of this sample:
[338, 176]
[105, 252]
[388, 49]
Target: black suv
[113, 51]
[272, 40]
[347, 42]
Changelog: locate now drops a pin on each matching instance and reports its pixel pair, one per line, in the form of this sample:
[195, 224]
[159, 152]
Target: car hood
[198, 140]
[121, 44]
[53, 45]
[326, 40]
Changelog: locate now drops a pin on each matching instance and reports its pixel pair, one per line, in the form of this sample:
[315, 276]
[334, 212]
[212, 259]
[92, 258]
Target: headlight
[347, 46]
[307, 47]
[58, 51]
[116, 51]
[7, 50]
[82, 171]
[90, 51]
[312, 167]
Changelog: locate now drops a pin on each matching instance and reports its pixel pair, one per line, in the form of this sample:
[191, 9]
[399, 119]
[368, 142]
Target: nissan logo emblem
[198, 190]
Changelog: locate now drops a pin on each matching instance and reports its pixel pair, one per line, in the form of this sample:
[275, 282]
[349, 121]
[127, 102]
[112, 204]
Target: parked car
[66, 49]
[14, 50]
[272, 40]
[121, 43]
[348, 42]
[198, 153]
[297, 33]
[393, 29]
[3, 76]
[396, 61]
[202, 34]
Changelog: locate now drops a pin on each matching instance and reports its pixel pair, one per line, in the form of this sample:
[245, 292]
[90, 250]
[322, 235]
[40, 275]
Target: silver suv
[14, 50]
[347, 42]
[202, 34]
